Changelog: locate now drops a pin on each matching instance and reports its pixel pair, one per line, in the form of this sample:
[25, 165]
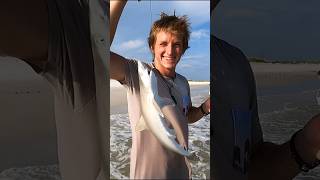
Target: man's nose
[170, 50]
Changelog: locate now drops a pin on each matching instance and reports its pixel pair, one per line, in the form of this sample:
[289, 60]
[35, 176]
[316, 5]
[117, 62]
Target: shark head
[145, 76]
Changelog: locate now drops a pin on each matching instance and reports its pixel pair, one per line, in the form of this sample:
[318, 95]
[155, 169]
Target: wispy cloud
[143, 49]
[201, 33]
[185, 66]
[131, 44]
[191, 57]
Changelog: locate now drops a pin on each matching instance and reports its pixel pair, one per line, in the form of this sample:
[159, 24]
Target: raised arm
[116, 7]
[117, 62]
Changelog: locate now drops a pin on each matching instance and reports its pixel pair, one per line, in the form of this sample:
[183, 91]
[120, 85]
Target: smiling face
[168, 40]
[167, 51]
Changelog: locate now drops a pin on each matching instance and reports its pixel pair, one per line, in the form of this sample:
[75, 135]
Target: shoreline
[273, 75]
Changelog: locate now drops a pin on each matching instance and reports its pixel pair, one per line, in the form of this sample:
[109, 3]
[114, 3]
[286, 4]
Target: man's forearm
[194, 114]
[116, 7]
[271, 161]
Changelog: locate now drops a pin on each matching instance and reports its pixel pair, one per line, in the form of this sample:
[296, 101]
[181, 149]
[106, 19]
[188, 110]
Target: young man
[63, 42]
[168, 40]
[238, 148]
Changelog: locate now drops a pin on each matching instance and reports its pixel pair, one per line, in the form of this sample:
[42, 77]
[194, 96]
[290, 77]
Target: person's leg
[24, 30]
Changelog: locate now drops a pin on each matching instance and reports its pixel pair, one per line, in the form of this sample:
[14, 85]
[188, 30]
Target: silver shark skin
[155, 113]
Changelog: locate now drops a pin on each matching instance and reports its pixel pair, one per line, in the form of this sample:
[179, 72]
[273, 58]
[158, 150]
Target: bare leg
[24, 30]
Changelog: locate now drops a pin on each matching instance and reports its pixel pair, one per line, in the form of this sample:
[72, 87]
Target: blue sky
[131, 37]
[277, 30]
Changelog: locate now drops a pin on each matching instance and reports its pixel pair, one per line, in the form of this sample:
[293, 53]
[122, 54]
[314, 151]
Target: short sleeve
[131, 77]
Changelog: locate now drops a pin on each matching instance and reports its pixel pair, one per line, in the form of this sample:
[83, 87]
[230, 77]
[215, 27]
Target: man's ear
[151, 49]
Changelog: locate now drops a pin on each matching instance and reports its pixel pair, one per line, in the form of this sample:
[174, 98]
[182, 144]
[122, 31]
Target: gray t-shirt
[235, 126]
[149, 158]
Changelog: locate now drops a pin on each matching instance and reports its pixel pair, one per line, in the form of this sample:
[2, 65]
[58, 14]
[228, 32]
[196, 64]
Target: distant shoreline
[191, 82]
[269, 61]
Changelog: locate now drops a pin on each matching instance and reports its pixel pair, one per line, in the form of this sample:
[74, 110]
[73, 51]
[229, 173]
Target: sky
[277, 30]
[133, 29]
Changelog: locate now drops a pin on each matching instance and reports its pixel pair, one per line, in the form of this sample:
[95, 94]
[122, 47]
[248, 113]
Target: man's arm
[117, 62]
[117, 66]
[116, 8]
[196, 113]
[271, 161]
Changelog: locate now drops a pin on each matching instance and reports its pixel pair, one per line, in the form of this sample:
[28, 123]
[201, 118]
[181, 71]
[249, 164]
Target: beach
[286, 100]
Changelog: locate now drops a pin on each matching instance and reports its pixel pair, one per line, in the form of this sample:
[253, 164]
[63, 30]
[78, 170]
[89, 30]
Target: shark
[158, 114]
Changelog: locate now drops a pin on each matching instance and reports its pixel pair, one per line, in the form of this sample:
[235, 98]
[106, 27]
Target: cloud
[132, 44]
[201, 33]
[180, 66]
[192, 57]
[143, 50]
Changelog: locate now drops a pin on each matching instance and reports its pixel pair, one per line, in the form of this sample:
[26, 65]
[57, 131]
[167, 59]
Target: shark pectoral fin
[141, 125]
[178, 122]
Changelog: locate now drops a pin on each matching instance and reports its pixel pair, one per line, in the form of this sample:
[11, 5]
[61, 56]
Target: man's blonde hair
[177, 25]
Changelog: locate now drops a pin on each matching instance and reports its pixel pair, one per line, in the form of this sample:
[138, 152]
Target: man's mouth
[168, 58]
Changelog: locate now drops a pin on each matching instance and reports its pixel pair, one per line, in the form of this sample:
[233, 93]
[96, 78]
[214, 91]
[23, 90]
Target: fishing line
[150, 13]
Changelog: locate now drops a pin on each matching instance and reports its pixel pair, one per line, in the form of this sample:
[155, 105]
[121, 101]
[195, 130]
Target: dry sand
[118, 98]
